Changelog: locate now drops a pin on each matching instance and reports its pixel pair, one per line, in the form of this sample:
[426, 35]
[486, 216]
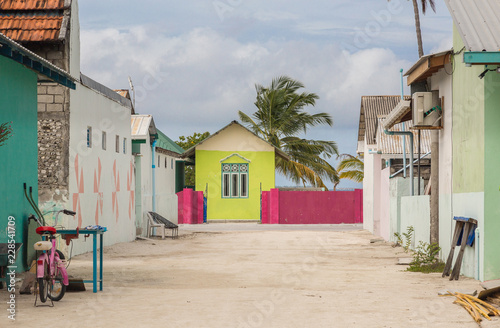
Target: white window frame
[234, 181]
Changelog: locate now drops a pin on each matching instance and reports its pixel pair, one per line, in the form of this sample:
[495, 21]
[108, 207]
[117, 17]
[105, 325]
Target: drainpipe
[405, 133]
[153, 170]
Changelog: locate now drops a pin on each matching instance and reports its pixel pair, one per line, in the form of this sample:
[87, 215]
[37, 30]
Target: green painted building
[232, 167]
[20, 70]
[476, 124]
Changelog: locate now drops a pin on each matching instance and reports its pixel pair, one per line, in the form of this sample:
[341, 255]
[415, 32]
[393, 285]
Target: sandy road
[253, 277]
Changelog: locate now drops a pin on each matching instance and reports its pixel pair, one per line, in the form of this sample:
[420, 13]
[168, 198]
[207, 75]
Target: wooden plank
[418, 72]
[458, 264]
[426, 127]
[458, 227]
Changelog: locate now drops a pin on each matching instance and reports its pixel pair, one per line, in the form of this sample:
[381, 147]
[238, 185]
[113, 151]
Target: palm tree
[351, 168]
[278, 120]
[417, 22]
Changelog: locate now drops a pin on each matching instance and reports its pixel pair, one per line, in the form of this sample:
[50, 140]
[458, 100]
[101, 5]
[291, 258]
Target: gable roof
[478, 23]
[142, 126]
[34, 20]
[371, 108]
[166, 143]
[191, 151]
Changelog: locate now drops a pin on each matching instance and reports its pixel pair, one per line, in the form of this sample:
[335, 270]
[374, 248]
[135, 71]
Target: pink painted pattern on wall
[97, 190]
[131, 191]
[81, 189]
[114, 194]
[312, 207]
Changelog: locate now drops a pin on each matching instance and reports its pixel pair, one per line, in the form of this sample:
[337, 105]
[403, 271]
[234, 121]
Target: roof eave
[427, 65]
[11, 49]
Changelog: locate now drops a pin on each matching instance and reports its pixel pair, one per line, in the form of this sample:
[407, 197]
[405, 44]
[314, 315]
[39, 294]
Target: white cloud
[203, 78]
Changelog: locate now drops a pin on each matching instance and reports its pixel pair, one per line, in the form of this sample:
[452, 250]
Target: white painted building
[159, 171]
[381, 195]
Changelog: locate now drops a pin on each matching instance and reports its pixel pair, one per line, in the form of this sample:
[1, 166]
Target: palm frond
[280, 116]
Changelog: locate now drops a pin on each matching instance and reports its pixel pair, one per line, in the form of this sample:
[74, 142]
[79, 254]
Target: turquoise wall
[18, 157]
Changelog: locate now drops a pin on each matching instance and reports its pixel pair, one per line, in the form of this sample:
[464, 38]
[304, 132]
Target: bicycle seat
[43, 230]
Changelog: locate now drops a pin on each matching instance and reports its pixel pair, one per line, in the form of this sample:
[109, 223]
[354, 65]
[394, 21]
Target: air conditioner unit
[424, 113]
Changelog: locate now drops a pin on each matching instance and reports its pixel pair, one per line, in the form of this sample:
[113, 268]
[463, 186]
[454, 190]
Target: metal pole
[404, 129]
[419, 136]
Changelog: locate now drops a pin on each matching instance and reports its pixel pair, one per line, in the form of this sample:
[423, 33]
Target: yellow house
[233, 167]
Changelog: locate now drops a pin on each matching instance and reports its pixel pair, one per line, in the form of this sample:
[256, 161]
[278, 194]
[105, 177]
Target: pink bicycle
[51, 274]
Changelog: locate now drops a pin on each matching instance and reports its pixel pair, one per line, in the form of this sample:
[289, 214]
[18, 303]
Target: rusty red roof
[32, 20]
[31, 4]
[29, 29]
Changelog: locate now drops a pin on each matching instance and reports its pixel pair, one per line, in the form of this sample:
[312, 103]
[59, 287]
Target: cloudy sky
[195, 63]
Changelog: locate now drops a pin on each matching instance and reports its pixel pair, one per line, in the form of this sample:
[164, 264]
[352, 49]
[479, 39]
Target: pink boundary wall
[190, 206]
[312, 207]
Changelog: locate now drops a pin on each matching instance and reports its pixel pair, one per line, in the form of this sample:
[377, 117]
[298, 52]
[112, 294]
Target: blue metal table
[94, 234]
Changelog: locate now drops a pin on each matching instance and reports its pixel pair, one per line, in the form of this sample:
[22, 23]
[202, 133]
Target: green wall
[208, 171]
[19, 159]
[468, 125]
[492, 175]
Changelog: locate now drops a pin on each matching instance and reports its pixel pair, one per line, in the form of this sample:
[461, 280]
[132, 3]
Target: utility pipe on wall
[404, 127]
[404, 134]
[153, 175]
[410, 134]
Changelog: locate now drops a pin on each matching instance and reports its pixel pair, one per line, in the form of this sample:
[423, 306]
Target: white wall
[166, 199]
[384, 209]
[368, 190]
[415, 212]
[74, 41]
[101, 182]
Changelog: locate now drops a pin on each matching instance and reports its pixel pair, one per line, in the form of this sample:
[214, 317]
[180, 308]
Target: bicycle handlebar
[67, 212]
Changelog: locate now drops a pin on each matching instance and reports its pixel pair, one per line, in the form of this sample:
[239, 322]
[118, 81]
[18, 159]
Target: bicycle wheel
[57, 289]
[42, 289]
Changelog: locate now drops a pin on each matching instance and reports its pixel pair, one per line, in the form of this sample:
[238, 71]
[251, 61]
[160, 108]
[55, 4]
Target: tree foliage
[187, 142]
[351, 168]
[279, 118]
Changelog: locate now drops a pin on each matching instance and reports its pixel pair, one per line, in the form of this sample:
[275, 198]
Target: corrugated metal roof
[478, 23]
[371, 108]
[31, 4]
[166, 143]
[388, 144]
[142, 126]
